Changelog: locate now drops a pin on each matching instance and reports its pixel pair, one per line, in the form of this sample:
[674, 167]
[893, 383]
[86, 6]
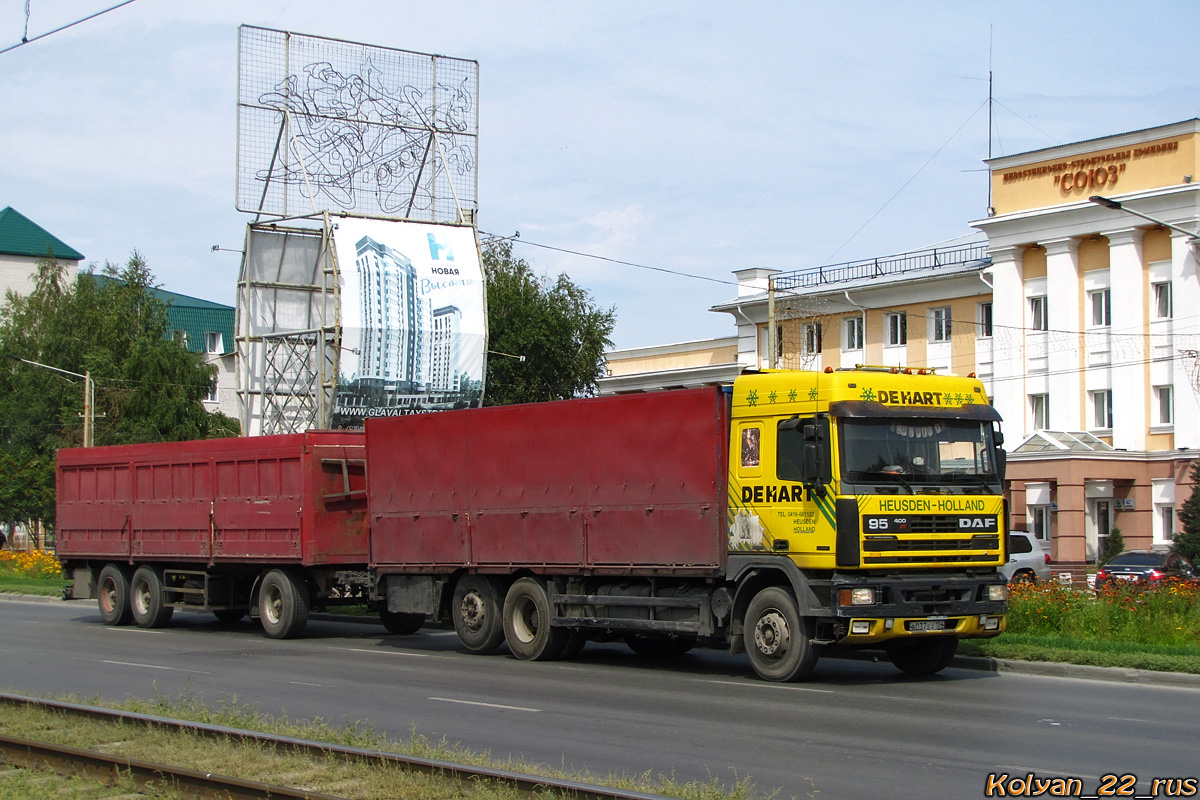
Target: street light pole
[89, 397]
[1119, 206]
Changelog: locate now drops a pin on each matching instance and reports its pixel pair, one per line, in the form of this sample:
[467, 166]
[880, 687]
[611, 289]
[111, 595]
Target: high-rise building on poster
[413, 319]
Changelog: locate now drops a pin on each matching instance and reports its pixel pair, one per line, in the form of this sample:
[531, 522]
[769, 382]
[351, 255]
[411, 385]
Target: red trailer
[270, 526]
[611, 508]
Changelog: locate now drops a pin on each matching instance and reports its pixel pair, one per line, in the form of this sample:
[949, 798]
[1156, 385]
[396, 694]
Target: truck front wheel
[922, 656]
[282, 605]
[778, 640]
[148, 600]
[476, 612]
[112, 595]
[527, 628]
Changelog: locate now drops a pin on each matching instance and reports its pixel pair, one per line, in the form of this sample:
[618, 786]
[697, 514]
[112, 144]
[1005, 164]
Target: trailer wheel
[112, 595]
[401, 624]
[527, 626]
[923, 656]
[282, 605]
[148, 600]
[477, 614]
[778, 640]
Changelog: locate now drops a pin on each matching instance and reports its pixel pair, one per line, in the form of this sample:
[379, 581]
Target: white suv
[1027, 561]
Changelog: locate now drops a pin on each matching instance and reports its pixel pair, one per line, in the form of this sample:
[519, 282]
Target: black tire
[147, 600]
[228, 615]
[656, 645]
[401, 624]
[112, 595]
[778, 640]
[527, 628]
[1024, 576]
[282, 605]
[924, 656]
[576, 639]
[477, 614]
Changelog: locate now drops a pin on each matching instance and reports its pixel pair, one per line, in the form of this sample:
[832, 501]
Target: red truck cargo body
[294, 499]
[632, 482]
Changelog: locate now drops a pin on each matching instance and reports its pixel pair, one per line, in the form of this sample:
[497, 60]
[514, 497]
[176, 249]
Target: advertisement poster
[414, 320]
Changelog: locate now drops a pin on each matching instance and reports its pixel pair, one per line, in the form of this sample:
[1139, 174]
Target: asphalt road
[857, 729]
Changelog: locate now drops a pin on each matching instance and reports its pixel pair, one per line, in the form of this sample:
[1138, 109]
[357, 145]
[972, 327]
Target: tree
[1187, 543]
[554, 325]
[148, 387]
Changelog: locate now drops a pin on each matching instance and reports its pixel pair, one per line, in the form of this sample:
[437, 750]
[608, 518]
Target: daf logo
[973, 522]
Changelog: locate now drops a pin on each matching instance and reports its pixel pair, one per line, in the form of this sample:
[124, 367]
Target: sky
[691, 138]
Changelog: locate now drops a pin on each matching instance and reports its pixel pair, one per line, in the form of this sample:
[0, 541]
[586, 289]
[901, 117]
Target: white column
[1008, 341]
[1063, 341]
[1127, 278]
[1186, 287]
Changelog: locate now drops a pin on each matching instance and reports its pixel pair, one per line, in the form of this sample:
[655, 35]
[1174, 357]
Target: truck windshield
[916, 452]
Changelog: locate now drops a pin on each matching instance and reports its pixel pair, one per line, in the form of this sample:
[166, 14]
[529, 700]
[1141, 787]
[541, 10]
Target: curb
[1057, 669]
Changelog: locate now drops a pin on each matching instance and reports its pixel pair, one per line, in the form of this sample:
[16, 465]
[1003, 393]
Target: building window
[983, 320]
[212, 391]
[1037, 313]
[896, 327]
[941, 324]
[180, 336]
[1164, 401]
[853, 328]
[1166, 516]
[214, 343]
[1102, 417]
[1101, 302]
[1039, 522]
[812, 338]
[1162, 301]
[1162, 494]
[1039, 409]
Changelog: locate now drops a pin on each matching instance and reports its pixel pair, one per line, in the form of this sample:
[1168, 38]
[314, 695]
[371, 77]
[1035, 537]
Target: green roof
[196, 318]
[21, 236]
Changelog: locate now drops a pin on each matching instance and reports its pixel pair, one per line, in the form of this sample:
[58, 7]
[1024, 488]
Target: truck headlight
[858, 596]
[997, 592]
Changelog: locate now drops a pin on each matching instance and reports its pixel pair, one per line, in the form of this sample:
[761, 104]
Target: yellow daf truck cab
[883, 489]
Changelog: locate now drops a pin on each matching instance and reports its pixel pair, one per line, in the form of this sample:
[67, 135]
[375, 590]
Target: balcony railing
[875, 267]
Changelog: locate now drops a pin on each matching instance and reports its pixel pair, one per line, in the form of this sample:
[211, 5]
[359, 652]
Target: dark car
[1144, 567]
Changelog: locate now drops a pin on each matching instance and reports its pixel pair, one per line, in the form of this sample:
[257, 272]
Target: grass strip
[357, 780]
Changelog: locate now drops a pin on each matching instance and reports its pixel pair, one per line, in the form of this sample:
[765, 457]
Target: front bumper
[927, 605]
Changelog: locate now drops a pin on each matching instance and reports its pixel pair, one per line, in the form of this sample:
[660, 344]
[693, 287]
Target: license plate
[927, 625]
[1127, 577]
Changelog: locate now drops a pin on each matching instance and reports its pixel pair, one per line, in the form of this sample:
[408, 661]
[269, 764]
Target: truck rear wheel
[112, 595]
[399, 623]
[778, 640]
[148, 601]
[282, 605]
[527, 628]
[922, 656]
[477, 614]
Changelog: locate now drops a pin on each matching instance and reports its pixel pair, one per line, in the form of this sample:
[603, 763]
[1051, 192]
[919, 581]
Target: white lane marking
[767, 685]
[386, 653]
[302, 683]
[154, 666]
[485, 705]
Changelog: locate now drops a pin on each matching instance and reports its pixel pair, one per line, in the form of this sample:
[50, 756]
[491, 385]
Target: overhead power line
[518, 240]
[25, 37]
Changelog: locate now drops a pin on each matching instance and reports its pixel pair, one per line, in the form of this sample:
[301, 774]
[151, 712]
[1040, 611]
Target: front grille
[894, 544]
